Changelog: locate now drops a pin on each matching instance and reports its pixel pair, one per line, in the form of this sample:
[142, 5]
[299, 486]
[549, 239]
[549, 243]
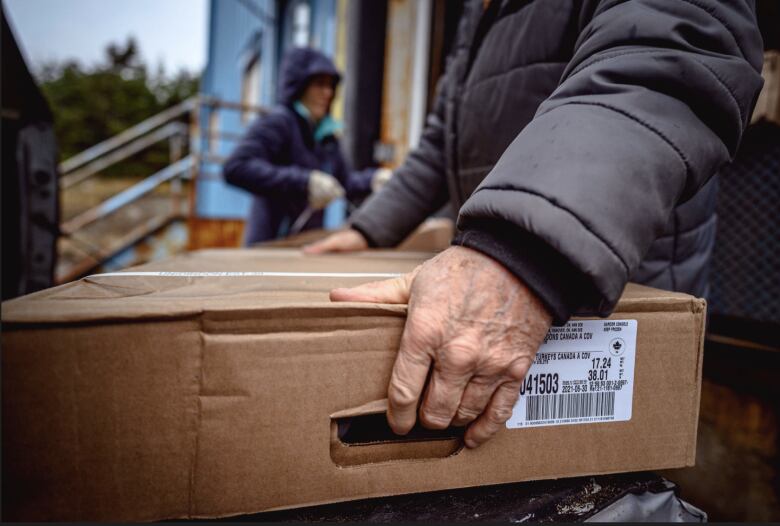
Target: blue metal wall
[233, 28]
[324, 26]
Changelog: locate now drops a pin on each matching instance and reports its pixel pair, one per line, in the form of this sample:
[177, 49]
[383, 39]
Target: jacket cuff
[559, 285]
[359, 182]
[299, 177]
[371, 242]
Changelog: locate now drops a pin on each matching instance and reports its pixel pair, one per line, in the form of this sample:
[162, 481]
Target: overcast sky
[173, 32]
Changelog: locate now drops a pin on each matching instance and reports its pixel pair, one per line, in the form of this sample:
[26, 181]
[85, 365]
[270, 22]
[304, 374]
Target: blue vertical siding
[324, 26]
[232, 28]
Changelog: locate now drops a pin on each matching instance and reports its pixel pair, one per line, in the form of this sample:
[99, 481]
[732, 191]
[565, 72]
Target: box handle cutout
[362, 435]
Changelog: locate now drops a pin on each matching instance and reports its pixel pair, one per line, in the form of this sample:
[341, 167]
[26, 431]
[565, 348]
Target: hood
[298, 66]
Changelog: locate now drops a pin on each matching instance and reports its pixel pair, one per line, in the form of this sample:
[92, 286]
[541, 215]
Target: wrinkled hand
[323, 188]
[476, 324]
[380, 178]
[342, 241]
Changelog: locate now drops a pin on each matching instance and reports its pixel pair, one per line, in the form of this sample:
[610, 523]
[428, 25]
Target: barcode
[573, 405]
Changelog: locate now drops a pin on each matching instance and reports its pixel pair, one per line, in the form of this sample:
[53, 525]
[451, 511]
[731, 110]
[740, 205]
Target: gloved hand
[323, 188]
[380, 178]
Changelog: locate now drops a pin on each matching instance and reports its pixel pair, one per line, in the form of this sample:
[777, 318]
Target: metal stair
[103, 217]
[103, 222]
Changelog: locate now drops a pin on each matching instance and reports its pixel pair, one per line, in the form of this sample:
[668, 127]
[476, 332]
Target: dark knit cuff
[560, 286]
[358, 228]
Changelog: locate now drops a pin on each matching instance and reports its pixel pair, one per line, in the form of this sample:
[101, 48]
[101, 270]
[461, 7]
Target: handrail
[230, 105]
[126, 196]
[101, 163]
[100, 156]
[130, 134]
[167, 124]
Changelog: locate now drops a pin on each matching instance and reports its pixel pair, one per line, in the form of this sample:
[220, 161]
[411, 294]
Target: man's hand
[476, 324]
[343, 241]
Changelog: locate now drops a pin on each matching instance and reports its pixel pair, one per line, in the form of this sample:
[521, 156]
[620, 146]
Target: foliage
[93, 104]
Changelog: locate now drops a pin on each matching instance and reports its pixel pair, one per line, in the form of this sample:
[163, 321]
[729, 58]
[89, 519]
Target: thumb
[395, 290]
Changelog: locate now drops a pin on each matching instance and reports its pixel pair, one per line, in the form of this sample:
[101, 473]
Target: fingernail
[470, 443]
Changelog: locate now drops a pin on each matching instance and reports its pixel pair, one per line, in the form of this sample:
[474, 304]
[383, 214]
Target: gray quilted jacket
[579, 139]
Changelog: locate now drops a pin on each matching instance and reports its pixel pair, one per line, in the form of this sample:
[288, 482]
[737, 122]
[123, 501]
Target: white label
[583, 373]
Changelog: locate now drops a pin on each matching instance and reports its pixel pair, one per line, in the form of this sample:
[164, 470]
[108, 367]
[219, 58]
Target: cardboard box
[433, 235]
[143, 397]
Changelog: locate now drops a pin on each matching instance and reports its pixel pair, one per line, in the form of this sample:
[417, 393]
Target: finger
[334, 243]
[395, 290]
[406, 384]
[320, 247]
[445, 389]
[475, 398]
[497, 412]
[329, 244]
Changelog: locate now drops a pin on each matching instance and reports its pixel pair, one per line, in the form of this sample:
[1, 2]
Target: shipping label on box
[583, 373]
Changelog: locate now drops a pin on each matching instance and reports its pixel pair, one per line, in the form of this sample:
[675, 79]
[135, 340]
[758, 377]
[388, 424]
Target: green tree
[93, 104]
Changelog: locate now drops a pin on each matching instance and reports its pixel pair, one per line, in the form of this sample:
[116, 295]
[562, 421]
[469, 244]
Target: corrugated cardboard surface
[141, 398]
[433, 235]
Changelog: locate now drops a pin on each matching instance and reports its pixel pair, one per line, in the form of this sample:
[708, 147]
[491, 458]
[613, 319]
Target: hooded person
[290, 158]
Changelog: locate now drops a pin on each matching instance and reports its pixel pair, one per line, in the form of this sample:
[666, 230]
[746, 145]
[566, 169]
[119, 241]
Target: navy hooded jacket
[278, 152]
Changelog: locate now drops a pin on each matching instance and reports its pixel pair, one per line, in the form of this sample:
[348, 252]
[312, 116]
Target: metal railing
[207, 147]
[136, 145]
[118, 141]
[125, 197]
[180, 125]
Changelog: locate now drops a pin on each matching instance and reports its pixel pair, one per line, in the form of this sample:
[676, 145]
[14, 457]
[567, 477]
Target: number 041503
[534, 384]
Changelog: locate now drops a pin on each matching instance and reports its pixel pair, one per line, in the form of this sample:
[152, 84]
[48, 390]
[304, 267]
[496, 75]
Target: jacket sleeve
[417, 189]
[359, 182]
[652, 104]
[356, 183]
[251, 166]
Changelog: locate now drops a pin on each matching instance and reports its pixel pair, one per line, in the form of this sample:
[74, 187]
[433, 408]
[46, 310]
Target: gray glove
[323, 188]
[380, 178]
